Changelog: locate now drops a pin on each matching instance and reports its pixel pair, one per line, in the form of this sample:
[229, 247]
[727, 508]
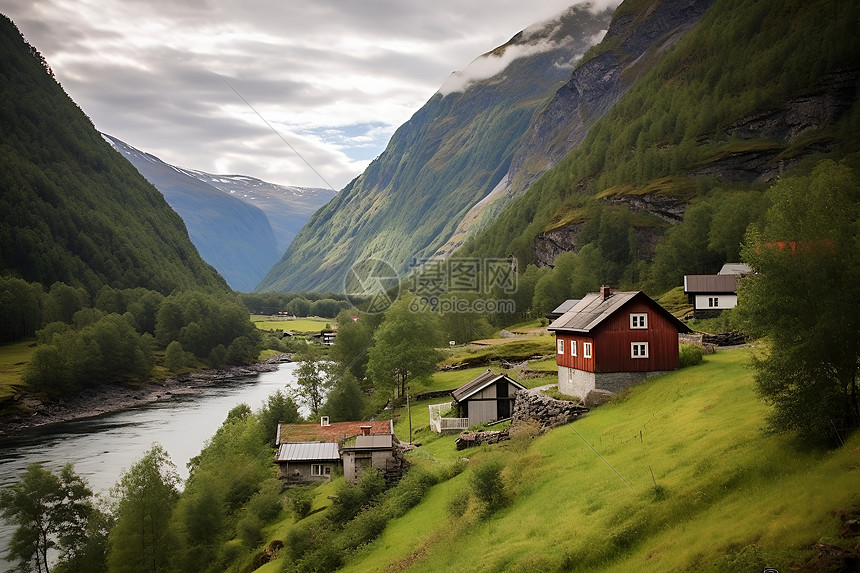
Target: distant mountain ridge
[447, 157]
[287, 207]
[240, 225]
[71, 209]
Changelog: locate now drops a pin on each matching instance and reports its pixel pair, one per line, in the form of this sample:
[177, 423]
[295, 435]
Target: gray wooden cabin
[487, 398]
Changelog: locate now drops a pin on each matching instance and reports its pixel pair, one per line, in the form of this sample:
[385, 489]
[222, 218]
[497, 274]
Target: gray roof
[477, 384]
[563, 307]
[593, 309]
[307, 452]
[710, 283]
[372, 442]
[735, 269]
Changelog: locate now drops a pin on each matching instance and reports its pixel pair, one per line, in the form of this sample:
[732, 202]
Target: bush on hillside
[689, 355]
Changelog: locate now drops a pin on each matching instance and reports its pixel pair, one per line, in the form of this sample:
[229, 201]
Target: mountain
[441, 162]
[755, 91]
[287, 207]
[637, 36]
[229, 217]
[71, 208]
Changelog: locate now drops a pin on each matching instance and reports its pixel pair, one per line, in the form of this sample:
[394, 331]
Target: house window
[713, 301]
[320, 470]
[573, 348]
[638, 350]
[559, 346]
[586, 349]
[639, 320]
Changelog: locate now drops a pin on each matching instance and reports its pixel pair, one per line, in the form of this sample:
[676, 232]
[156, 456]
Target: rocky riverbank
[104, 397]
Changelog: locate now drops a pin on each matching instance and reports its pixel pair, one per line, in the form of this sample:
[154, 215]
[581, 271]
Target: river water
[101, 448]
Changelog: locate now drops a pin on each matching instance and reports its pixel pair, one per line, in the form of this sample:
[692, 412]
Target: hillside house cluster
[610, 340]
[309, 453]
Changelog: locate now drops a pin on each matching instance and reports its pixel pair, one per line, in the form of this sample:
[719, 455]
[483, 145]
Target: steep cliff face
[440, 163]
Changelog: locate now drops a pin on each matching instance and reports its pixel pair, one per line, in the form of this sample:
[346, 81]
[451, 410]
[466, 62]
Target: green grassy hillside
[675, 475]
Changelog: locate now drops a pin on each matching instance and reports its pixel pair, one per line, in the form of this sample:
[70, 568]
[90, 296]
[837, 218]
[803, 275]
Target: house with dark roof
[611, 340]
[487, 398]
[710, 295]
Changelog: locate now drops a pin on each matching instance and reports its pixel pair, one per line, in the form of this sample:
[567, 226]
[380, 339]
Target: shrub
[301, 500]
[459, 503]
[487, 485]
[689, 355]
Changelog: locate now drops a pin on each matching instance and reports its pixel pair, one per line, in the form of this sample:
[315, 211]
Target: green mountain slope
[676, 475]
[71, 208]
[757, 89]
[447, 157]
[231, 235]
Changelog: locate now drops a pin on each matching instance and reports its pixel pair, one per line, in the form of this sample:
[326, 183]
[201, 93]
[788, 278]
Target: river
[101, 448]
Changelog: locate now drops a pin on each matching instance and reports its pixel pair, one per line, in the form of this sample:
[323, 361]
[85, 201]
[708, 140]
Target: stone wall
[469, 439]
[533, 405]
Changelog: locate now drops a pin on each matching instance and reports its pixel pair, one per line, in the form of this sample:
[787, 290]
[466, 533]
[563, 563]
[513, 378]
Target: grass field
[675, 475]
[13, 358]
[299, 325]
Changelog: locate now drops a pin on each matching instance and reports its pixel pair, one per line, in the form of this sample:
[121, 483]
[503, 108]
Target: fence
[440, 424]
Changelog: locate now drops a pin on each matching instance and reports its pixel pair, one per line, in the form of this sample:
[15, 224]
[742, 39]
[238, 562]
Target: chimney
[324, 421]
[365, 430]
[605, 291]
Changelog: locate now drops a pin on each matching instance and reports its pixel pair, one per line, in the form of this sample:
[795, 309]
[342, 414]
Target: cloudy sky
[195, 82]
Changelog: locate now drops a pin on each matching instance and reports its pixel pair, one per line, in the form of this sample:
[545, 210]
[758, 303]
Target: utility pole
[409, 412]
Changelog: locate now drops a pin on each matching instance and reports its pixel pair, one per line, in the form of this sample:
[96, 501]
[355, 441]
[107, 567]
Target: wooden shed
[610, 340]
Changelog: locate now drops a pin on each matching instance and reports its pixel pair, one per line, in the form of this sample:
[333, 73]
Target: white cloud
[334, 77]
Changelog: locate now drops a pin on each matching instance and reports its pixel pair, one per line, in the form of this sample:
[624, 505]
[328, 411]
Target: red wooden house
[611, 340]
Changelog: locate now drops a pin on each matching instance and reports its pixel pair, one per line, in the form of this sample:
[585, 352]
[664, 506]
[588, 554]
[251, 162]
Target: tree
[51, 511]
[278, 408]
[311, 379]
[345, 400]
[174, 356]
[805, 296]
[146, 495]
[405, 346]
[354, 338]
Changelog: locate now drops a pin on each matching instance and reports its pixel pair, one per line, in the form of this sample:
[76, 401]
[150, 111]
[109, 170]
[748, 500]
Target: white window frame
[586, 350]
[320, 470]
[638, 320]
[639, 350]
[573, 347]
[559, 346]
[713, 301]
